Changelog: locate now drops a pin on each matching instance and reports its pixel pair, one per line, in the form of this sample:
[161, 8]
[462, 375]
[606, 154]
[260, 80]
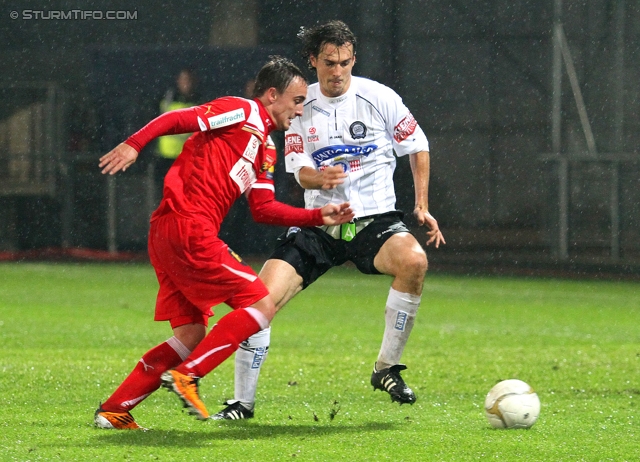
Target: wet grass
[69, 333]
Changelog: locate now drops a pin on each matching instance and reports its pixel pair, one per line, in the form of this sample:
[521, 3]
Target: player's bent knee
[267, 307]
[190, 335]
[416, 264]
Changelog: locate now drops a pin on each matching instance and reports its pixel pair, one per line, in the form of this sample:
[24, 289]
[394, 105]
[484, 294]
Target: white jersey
[359, 131]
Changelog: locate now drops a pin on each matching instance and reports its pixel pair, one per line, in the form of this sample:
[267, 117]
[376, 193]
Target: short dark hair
[278, 72]
[334, 32]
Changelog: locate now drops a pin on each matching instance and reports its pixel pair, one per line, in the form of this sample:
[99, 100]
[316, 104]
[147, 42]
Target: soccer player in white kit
[342, 149]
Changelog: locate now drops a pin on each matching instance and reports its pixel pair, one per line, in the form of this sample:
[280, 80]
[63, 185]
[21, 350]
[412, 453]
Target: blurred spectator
[183, 95]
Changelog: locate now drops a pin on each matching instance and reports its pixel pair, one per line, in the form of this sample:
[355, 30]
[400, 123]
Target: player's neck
[340, 97]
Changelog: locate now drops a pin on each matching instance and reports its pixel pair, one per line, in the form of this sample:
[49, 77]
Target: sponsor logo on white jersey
[228, 118]
[320, 110]
[292, 143]
[343, 151]
[405, 128]
[355, 165]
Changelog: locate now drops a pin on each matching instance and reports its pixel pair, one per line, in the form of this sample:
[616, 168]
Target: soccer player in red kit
[230, 153]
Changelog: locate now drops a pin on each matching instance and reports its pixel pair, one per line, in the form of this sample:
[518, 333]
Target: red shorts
[197, 271]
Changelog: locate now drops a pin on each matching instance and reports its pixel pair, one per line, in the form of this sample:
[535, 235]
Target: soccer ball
[512, 404]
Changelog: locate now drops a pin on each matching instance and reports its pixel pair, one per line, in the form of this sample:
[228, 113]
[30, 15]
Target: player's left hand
[119, 158]
[426, 219]
[336, 214]
[332, 177]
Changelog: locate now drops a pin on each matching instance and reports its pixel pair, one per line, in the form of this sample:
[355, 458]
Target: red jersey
[230, 154]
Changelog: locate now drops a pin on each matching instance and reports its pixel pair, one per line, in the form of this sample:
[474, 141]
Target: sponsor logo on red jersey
[251, 150]
[405, 128]
[227, 118]
[292, 143]
[243, 174]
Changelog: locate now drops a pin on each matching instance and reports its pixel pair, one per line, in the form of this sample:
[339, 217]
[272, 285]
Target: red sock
[144, 379]
[220, 343]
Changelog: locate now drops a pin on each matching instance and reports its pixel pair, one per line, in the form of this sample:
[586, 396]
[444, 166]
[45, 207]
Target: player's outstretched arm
[337, 214]
[169, 123]
[119, 158]
[265, 209]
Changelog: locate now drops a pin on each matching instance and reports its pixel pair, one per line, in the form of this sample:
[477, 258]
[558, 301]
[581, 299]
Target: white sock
[250, 357]
[399, 316]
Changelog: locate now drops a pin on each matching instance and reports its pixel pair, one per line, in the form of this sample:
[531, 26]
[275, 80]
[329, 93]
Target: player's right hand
[332, 177]
[337, 214]
[119, 158]
[434, 234]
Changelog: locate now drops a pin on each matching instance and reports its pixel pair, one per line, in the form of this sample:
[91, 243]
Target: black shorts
[312, 252]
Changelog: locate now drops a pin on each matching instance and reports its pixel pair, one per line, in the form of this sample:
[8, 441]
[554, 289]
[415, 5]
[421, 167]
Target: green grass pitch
[69, 333]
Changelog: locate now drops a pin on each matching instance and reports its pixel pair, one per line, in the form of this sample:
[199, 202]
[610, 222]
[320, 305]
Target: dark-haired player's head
[282, 88]
[315, 38]
[330, 49]
[277, 73]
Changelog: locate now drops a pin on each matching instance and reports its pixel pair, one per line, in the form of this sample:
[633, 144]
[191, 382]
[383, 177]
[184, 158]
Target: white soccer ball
[512, 404]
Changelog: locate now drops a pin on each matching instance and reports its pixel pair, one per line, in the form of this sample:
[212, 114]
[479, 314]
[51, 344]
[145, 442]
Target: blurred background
[531, 108]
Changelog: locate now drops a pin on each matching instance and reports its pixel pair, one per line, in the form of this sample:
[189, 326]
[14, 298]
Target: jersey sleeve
[266, 171]
[295, 156]
[169, 123]
[216, 114]
[407, 136]
[266, 209]
[222, 112]
[263, 204]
